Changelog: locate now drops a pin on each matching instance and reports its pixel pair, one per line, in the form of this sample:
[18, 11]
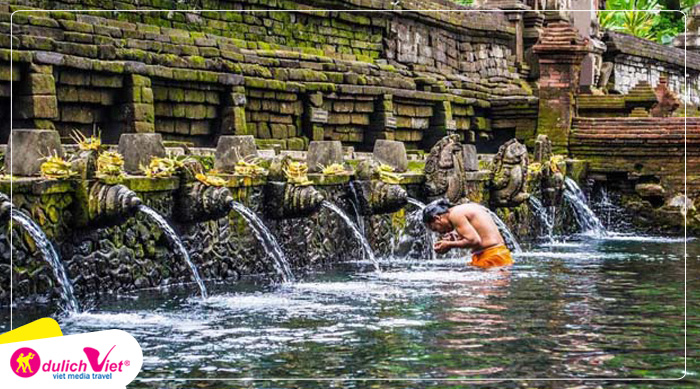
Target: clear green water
[586, 309]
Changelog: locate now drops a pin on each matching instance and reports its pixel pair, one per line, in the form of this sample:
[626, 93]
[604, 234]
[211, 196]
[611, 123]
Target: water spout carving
[287, 199]
[108, 203]
[376, 196]
[444, 170]
[197, 201]
[509, 174]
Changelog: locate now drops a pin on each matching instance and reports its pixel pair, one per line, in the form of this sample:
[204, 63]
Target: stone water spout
[108, 203]
[376, 196]
[286, 199]
[196, 201]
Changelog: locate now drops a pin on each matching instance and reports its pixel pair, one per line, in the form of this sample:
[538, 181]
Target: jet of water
[175, 241]
[508, 236]
[264, 236]
[585, 217]
[417, 217]
[356, 231]
[50, 256]
[355, 202]
[542, 213]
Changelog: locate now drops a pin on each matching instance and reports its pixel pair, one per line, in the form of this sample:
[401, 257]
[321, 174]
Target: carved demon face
[514, 153]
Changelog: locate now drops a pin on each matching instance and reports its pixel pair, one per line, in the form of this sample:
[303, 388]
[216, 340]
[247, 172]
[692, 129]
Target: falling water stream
[356, 207]
[263, 234]
[508, 236]
[177, 244]
[543, 215]
[50, 255]
[585, 217]
[417, 217]
[356, 231]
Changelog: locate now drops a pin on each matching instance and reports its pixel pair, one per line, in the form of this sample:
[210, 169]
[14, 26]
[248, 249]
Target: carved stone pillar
[560, 51]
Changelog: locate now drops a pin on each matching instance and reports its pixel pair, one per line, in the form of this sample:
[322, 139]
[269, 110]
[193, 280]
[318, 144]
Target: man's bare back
[475, 217]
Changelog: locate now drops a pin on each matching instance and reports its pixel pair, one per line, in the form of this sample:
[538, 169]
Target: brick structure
[644, 148]
[560, 50]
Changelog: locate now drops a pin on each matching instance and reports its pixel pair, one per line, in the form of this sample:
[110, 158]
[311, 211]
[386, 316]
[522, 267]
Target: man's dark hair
[435, 209]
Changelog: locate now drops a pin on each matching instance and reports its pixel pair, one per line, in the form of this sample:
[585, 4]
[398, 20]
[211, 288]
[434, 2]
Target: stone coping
[631, 45]
[36, 186]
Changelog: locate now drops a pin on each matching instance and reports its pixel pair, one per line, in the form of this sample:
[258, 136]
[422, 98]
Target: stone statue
[508, 175]
[668, 100]
[444, 170]
[551, 178]
[374, 194]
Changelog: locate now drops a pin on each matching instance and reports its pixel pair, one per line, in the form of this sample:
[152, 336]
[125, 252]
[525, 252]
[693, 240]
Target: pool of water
[585, 308]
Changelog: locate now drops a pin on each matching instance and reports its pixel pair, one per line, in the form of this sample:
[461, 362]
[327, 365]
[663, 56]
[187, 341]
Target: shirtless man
[467, 226]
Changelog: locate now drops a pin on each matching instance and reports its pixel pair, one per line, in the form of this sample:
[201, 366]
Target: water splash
[508, 236]
[264, 236]
[356, 231]
[544, 216]
[50, 255]
[175, 241]
[417, 218]
[355, 202]
[585, 217]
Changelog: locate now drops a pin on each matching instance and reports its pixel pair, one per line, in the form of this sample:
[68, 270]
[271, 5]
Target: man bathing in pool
[467, 226]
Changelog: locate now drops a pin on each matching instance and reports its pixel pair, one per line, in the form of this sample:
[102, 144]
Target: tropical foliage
[648, 19]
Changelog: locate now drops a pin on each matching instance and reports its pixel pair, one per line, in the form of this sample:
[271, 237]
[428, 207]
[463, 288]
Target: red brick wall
[641, 146]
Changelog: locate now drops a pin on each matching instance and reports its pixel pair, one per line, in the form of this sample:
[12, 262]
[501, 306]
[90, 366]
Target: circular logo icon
[25, 362]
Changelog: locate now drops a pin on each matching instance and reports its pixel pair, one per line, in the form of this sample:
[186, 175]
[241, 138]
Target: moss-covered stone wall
[285, 77]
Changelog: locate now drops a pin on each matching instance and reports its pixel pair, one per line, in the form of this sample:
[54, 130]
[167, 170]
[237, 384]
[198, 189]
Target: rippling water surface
[590, 308]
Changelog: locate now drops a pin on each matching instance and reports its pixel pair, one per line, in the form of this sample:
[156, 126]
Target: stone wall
[635, 59]
[285, 77]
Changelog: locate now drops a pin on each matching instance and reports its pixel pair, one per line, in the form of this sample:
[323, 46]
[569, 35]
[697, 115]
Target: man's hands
[442, 246]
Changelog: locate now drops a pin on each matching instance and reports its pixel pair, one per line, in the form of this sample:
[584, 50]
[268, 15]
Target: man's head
[436, 216]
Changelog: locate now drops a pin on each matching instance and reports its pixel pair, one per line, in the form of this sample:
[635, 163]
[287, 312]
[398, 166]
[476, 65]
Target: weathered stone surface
[323, 153]
[27, 148]
[391, 153]
[444, 170]
[509, 175]
[646, 190]
[138, 149]
[231, 149]
[471, 158]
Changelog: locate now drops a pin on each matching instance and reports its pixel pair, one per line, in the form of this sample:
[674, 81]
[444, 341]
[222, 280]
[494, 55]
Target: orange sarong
[493, 256]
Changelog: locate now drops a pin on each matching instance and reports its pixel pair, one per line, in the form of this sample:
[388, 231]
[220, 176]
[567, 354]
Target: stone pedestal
[323, 153]
[690, 39]
[560, 51]
[138, 149]
[392, 153]
[27, 148]
[231, 149]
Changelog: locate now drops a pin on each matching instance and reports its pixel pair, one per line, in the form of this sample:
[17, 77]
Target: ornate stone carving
[107, 204]
[509, 174]
[285, 199]
[200, 202]
[668, 100]
[444, 170]
[374, 195]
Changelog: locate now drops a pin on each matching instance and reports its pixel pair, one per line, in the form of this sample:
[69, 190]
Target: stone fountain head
[509, 175]
[5, 206]
[375, 195]
[197, 201]
[551, 177]
[108, 204]
[286, 199]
